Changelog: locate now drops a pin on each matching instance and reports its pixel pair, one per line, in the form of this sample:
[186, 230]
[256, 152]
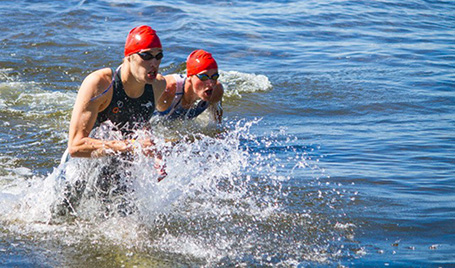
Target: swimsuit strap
[179, 84]
[179, 91]
[176, 110]
[114, 73]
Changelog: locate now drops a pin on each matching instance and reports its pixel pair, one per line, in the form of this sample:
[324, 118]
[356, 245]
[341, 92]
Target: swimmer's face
[148, 63]
[204, 83]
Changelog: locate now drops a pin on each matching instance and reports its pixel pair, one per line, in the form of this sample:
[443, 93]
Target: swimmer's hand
[146, 145]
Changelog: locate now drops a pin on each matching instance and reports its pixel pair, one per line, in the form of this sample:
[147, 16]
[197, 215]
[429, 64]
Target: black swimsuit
[124, 112]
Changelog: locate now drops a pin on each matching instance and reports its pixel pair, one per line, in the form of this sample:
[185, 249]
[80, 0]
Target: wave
[237, 83]
[30, 99]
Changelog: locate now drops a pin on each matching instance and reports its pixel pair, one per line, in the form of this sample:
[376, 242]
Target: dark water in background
[339, 149]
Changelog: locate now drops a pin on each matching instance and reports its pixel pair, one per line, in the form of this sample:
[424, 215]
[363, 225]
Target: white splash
[224, 198]
[237, 83]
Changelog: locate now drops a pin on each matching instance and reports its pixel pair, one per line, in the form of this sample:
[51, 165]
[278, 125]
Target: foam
[236, 83]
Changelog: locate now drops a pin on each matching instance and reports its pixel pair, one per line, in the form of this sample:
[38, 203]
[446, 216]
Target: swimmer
[125, 96]
[188, 96]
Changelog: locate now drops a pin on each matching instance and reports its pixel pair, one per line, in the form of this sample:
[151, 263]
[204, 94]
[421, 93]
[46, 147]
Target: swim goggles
[149, 56]
[205, 77]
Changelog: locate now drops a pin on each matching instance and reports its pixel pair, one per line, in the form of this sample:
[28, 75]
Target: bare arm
[165, 100]
[217, 111]
[216, 103]
[161, 92]
[84, 115]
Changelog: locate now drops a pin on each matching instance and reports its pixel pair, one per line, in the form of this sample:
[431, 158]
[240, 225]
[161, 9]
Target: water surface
[337, 146]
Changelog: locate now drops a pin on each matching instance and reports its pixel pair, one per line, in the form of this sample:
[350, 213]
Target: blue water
[338, 147]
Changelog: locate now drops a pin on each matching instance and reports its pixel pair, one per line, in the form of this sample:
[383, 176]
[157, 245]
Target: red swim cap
[198, 61]
[141, 37]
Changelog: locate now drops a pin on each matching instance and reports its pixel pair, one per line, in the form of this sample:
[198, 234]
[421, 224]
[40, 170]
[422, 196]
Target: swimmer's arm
[217, 111]
[162, 91]
[167, 96]
[216, 103]
[83, 118]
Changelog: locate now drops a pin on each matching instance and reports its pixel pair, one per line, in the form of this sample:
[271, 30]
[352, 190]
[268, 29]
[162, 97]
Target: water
[337, 147]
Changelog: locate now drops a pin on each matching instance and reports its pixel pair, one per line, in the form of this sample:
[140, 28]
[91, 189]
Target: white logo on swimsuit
[148, 105]
[120, 104]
